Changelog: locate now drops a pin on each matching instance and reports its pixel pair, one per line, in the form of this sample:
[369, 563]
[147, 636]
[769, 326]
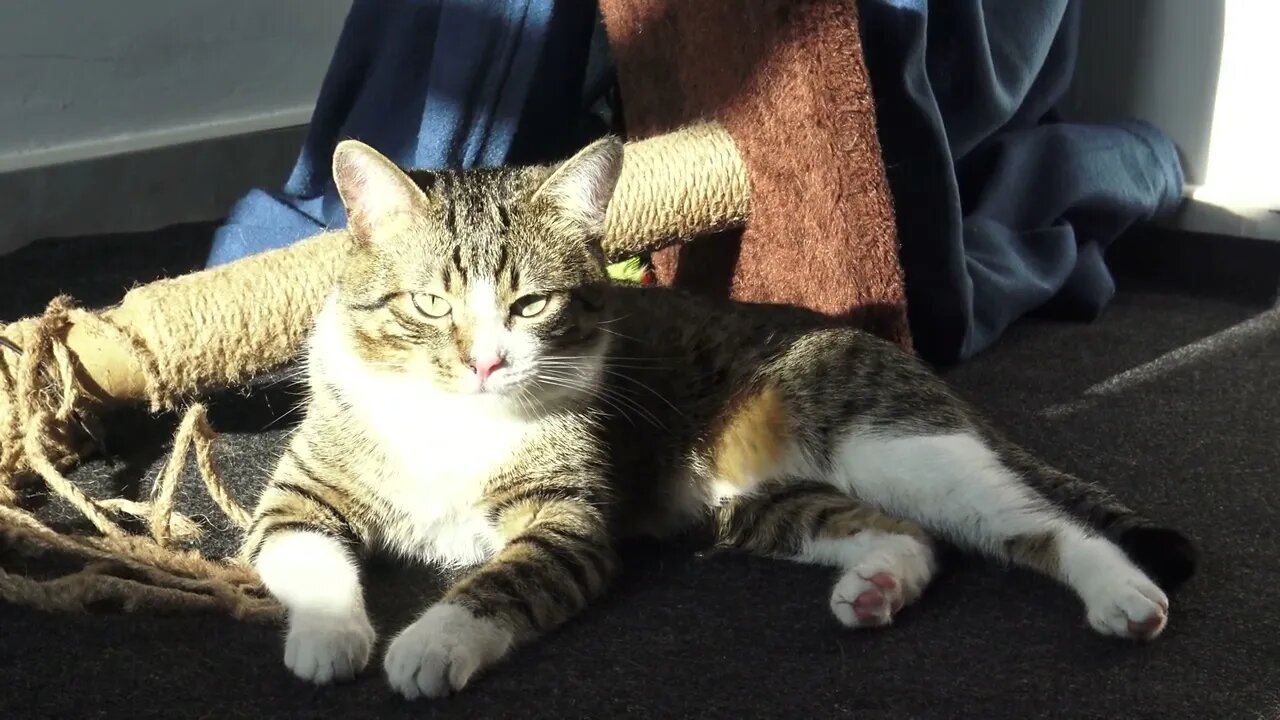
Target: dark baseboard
[143, 190]
[1231, 267]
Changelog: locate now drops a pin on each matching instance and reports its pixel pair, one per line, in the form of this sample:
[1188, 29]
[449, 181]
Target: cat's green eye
[530, 306]
[433, 306]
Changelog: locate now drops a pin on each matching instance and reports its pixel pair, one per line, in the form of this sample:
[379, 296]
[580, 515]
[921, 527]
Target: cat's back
[680, 361]
[679, 322]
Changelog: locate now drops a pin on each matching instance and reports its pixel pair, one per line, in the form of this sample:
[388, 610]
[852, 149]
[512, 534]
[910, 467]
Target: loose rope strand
[132, 571]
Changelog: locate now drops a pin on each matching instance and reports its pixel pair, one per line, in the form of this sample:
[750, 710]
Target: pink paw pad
[889, 575]
[877, 604]
[1147, 629]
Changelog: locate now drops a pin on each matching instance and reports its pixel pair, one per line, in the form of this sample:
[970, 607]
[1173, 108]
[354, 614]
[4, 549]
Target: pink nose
[486, 366]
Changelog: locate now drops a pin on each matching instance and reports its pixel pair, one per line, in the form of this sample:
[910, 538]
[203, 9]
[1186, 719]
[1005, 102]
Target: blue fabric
[1002, 208]
[431, 84]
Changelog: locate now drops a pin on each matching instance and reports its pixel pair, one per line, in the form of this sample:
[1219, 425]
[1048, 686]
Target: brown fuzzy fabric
[787, 80]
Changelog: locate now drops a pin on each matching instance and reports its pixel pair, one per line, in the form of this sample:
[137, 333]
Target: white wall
[96, 79]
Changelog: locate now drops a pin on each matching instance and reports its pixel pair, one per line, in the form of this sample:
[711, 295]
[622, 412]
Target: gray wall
[1200, 70]
[1152, 59]
[98, 95]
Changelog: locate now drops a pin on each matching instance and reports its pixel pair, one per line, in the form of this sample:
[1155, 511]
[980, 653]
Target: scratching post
[787, 81]
[171, 341]
[675, 187]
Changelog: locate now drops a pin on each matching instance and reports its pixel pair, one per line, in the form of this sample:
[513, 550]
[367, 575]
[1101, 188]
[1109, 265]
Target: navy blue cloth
[1002, 208]
[431, 84]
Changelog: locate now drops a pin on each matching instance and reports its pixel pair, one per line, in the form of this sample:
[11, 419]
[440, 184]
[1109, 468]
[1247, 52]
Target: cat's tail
[1166, 554]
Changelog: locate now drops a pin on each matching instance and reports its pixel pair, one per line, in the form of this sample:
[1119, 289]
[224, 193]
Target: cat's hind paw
[324, 648]
[440, 652]
[1133, 608]
[866, 602]
[890, 576]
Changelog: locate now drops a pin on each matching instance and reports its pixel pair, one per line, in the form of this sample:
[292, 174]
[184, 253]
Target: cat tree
[760, 109]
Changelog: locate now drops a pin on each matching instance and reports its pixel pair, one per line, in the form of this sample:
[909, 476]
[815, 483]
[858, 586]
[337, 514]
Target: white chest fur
[437, 450]
[438, 462]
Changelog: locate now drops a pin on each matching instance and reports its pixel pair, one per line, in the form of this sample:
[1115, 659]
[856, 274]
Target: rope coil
[131, 571]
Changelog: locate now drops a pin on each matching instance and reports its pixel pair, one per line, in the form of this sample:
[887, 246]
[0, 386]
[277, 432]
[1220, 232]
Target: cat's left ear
[580, 189]
[373, 189]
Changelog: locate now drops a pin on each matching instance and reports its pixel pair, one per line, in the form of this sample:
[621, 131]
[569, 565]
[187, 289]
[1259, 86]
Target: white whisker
[615, 395]
[655, 393]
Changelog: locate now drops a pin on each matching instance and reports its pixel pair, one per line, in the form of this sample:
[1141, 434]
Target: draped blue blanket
[1002, 208]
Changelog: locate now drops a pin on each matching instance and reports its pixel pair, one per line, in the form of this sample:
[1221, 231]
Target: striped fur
[299, 499]
[607, 411]
[782, 517]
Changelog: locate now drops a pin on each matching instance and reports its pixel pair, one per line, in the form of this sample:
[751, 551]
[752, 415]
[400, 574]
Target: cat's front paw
[441, 651]
[322, 648]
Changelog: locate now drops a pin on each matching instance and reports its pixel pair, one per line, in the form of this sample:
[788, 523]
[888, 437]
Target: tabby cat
[482, 397]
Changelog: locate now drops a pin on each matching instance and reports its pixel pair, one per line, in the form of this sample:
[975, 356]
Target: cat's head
[484, 282]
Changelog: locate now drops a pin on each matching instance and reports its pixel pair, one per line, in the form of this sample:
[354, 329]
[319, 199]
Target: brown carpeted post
[786, 78]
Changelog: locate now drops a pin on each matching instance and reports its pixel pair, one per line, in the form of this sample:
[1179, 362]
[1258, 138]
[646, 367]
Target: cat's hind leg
[958, 486]
[884, 563]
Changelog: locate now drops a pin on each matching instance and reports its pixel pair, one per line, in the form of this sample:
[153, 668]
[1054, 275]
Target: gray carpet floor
[1170, 399]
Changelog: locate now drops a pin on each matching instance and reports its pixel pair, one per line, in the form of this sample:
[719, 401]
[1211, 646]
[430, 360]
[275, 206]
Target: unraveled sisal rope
[170, 341]
[119, 568]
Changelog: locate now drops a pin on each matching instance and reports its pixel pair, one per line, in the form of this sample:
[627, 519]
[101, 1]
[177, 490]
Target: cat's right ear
[581, 188]
[374, 191]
